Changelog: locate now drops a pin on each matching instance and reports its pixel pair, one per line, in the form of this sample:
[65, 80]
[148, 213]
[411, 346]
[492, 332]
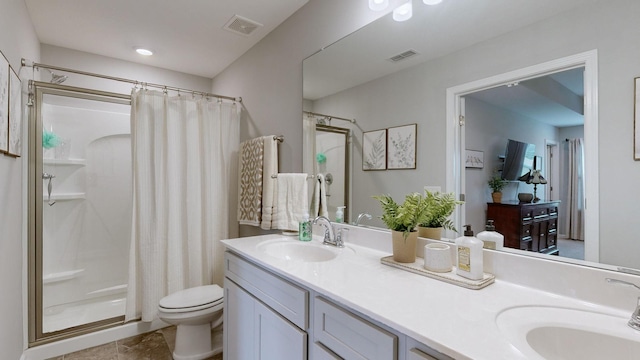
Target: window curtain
[183, 150]
[576, 189]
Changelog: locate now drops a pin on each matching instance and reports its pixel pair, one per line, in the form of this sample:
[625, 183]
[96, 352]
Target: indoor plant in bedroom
[440, 206]
[497, 183]
[402, 220]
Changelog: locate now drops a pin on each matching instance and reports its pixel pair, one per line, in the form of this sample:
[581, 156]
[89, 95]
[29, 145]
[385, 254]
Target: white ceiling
[436, 31]
[433, 31]
[548, 107]
[186, 36]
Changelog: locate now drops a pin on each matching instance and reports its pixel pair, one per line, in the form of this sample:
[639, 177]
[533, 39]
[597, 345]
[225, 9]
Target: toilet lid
[192, 297]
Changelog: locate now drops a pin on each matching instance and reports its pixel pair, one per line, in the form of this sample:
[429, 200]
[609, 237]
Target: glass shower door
[82, 222]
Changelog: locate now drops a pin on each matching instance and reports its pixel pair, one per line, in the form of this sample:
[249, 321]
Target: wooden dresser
[527, 226]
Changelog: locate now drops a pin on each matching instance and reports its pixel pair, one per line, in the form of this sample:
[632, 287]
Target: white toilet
[195, 311]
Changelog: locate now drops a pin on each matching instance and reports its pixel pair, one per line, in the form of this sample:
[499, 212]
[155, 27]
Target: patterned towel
[251, 161]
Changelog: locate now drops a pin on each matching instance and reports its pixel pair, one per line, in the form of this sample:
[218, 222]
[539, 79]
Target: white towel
[269, 184]
[250, 177]
[319, 201]
[292, 201]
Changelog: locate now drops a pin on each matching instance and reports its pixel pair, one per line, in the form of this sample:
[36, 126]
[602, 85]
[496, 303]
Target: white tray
[450, 277]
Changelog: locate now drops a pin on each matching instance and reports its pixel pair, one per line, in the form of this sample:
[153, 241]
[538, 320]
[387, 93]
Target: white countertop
[453, 320]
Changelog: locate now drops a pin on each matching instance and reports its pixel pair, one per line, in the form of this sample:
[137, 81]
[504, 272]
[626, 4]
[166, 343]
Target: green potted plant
[497, 183]
[440, 206]
[402, 220]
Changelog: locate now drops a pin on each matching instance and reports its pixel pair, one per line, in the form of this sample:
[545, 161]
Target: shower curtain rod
[353, 121]
[27, 63]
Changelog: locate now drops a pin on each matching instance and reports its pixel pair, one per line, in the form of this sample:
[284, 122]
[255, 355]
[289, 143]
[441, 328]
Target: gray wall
[487, 129]
[269, 77]
[17, 40]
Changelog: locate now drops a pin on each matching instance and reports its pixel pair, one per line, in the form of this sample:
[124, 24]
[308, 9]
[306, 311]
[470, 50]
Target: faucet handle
[621, 282]
[634, 322]
[341, 236]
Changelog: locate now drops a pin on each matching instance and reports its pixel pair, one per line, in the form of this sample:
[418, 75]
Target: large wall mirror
[390, 74]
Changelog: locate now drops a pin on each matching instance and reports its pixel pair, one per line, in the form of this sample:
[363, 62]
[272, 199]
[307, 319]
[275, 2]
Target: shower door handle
[47, 176]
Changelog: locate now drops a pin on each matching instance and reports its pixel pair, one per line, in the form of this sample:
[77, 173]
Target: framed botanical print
[401, 147]
[15, 114]
[474, 159]
[4, 104]
[374, 150]
[636, 120]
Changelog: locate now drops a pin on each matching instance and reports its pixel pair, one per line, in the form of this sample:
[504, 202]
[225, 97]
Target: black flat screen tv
[518, 159]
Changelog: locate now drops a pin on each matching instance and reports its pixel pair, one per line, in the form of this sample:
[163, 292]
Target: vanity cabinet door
[320, 352]
[239, 319]
[277, 338]
[254, 331]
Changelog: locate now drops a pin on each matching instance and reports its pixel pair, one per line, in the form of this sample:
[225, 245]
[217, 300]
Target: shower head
[57, 79]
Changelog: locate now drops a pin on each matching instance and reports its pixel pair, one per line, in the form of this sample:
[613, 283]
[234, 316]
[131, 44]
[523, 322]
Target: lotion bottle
[340, 214]
[469, 260]
[304, 228]
[491, 239]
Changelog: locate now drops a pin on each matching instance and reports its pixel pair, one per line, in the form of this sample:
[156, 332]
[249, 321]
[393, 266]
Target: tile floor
[157, 345]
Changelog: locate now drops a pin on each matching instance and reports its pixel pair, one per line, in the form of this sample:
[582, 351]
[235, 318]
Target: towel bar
[275, 176]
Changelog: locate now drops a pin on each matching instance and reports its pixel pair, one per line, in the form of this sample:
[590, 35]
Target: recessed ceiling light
[403, 12]
[144, 52]
[378, 5]
[432, 2]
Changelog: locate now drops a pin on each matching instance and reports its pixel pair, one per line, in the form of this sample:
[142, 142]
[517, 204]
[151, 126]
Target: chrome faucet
[360, 216]
[329, 238]
[634, 322]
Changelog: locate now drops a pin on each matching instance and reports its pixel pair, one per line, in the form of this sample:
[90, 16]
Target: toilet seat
[192, 299]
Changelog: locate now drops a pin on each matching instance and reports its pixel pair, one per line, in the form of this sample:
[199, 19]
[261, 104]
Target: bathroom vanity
[287, 299]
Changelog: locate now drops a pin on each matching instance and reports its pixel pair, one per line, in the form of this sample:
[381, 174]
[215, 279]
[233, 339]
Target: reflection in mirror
[538, 119]
[462, 42]
[331, 159]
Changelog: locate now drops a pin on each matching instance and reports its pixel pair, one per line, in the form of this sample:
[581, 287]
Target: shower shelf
[61, 276]
[73, 162]
[65, 196]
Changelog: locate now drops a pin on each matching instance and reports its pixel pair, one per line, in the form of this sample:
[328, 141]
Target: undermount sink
[300, 251]
[541, 332]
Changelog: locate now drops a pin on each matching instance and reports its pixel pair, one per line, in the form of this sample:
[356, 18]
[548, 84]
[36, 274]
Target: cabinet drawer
[525, 234]
[349, 336]
[552, 224]
[540, 212]
[419, 351]
[526, 215]
[287, 299]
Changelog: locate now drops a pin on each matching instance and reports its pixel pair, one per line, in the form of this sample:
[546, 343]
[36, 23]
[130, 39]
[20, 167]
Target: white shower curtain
[183, 151]
[576, 189]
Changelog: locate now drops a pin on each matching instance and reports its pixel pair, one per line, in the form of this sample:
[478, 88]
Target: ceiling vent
[241, 25]
[403, 55]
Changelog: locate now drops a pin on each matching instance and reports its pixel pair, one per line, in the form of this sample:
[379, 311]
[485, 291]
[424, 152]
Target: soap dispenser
[340, 214]
[305, 231]
[491, 239]
[469, 260]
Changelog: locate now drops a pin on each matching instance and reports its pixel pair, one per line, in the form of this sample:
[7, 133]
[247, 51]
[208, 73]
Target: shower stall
[80, 195]
[333, 158]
